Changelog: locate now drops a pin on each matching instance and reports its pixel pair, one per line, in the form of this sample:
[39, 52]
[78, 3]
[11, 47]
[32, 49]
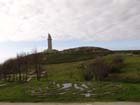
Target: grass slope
[73, 55]
[119, 87]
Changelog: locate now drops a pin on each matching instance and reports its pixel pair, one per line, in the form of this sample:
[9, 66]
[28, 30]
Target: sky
[25, 24]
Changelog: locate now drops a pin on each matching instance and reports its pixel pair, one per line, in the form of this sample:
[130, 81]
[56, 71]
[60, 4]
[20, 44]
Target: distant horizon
[11, 49]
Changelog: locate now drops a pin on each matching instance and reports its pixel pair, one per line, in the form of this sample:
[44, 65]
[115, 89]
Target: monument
[49, 42]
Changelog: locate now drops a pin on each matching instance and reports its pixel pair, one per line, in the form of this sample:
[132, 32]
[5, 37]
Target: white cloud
[97, 20]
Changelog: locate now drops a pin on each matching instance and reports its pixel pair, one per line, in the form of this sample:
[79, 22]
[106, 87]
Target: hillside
[52, 87]
[74, 54]
[62, 78]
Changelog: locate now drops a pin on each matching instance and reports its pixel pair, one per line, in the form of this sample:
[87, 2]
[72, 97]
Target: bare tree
[98, 70]
[19, 66]
[101, 68]
[37, 63]
[18, 69]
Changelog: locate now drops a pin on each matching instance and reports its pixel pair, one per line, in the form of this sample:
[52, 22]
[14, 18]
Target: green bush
[117, 64]
[98, 70]
[87, 72]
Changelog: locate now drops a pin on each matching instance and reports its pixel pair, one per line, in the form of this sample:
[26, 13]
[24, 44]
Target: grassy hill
[64, 81]
[74, 54]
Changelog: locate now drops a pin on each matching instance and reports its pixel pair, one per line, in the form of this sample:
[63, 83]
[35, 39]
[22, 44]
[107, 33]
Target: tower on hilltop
[49, 42]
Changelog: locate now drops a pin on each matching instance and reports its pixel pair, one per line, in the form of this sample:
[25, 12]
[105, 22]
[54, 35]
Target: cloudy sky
[24, 24]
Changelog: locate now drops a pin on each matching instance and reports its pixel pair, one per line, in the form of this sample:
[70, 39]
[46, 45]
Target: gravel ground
[94, 103]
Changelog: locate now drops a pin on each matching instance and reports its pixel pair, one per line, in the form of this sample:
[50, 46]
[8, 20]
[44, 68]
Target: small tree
[101, 69]
[117, 63]
[24, 66]
[1, 71]
[98, 70]
[87, 72]
[7, 69]
[19, 64]
[37, 64]
[26, 63]
[22, 69]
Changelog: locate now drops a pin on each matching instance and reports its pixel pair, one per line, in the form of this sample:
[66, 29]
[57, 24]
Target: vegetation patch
[57, 76]
[80, 89]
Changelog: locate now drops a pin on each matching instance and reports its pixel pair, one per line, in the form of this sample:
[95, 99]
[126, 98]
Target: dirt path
[94, 103]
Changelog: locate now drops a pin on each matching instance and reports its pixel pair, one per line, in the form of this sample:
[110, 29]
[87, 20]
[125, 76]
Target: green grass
[64, 72]
[119, 92]
[122, 86]
[130, 71]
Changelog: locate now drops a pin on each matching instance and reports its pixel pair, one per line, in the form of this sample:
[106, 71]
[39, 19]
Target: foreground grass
[21, 93]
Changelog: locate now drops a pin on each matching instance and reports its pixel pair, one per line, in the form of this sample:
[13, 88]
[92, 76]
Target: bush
[98, 70]
[87, 72]
[117, 64]
[101, 69]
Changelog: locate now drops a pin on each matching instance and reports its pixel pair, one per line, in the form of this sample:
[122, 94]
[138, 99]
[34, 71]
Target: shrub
[87, 72]
[117, 64]
[101, 69]
[98, 70]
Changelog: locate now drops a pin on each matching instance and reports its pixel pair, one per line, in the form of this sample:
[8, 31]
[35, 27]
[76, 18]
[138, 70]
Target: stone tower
[49, 42]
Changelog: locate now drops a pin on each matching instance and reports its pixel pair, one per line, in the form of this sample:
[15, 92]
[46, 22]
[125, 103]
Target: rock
[77, 87]
[67, 85]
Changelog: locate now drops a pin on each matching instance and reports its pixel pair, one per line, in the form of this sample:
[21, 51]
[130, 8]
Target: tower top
[49, 36]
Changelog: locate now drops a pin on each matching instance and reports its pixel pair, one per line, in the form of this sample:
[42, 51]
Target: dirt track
[94, 103]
